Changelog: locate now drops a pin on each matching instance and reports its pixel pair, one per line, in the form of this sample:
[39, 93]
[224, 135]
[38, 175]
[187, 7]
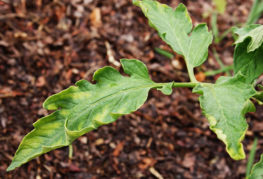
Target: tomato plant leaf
[85, 107]
[249, 63]
[249, 51]
[224, 104]
[254, 33]
[257, 170]
[176, 29]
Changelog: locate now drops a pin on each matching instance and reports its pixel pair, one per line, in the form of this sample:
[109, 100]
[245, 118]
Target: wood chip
[110, 55]
[155, 173]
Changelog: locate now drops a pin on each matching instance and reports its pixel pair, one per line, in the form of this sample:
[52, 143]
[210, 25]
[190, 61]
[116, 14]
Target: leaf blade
[174, 27]
[225, 104]
[249, 51]
[31, 140]
[254, 32]
[85, 107]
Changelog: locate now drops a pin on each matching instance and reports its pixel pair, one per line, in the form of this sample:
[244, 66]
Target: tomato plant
[86, 106]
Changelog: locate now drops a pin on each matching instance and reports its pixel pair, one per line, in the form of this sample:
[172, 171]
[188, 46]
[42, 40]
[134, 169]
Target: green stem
[215, 30]
[215, 72]
[214, 26]
[187, 85]
[170, 56]
[191, 74]
[255, 12]
[164, 53]
[223, 35]
[251, 157]
[218, 60]
[180, 84]
[70, 153]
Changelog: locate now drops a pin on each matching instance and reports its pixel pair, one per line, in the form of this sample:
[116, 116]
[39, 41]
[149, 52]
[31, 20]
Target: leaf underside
[257, 170]
[175, 27]
[225, 104]
[85, 107]
[248, 56]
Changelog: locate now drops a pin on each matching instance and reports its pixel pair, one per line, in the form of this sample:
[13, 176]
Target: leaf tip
[181, 6]
[237, 155]
[11, 167]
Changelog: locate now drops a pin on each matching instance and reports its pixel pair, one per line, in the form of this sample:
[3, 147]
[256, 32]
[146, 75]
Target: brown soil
[46, 46]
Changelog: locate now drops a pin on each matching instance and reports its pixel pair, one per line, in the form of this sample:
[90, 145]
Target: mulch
[46, 46]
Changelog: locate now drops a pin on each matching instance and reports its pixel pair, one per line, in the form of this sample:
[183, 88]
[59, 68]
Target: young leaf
[175, 27]
[225, 104]
[85, 107]
[257, 170]
[249, 51]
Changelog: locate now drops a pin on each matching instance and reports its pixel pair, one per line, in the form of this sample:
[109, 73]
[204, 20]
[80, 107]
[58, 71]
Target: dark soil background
[46, 46]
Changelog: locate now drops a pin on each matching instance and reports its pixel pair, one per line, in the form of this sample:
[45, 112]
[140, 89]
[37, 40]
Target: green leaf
[248, 52]
[254, 33]
[220, 5]
[225, 104]
[85, 107]
[257, 170]
[176, 29]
